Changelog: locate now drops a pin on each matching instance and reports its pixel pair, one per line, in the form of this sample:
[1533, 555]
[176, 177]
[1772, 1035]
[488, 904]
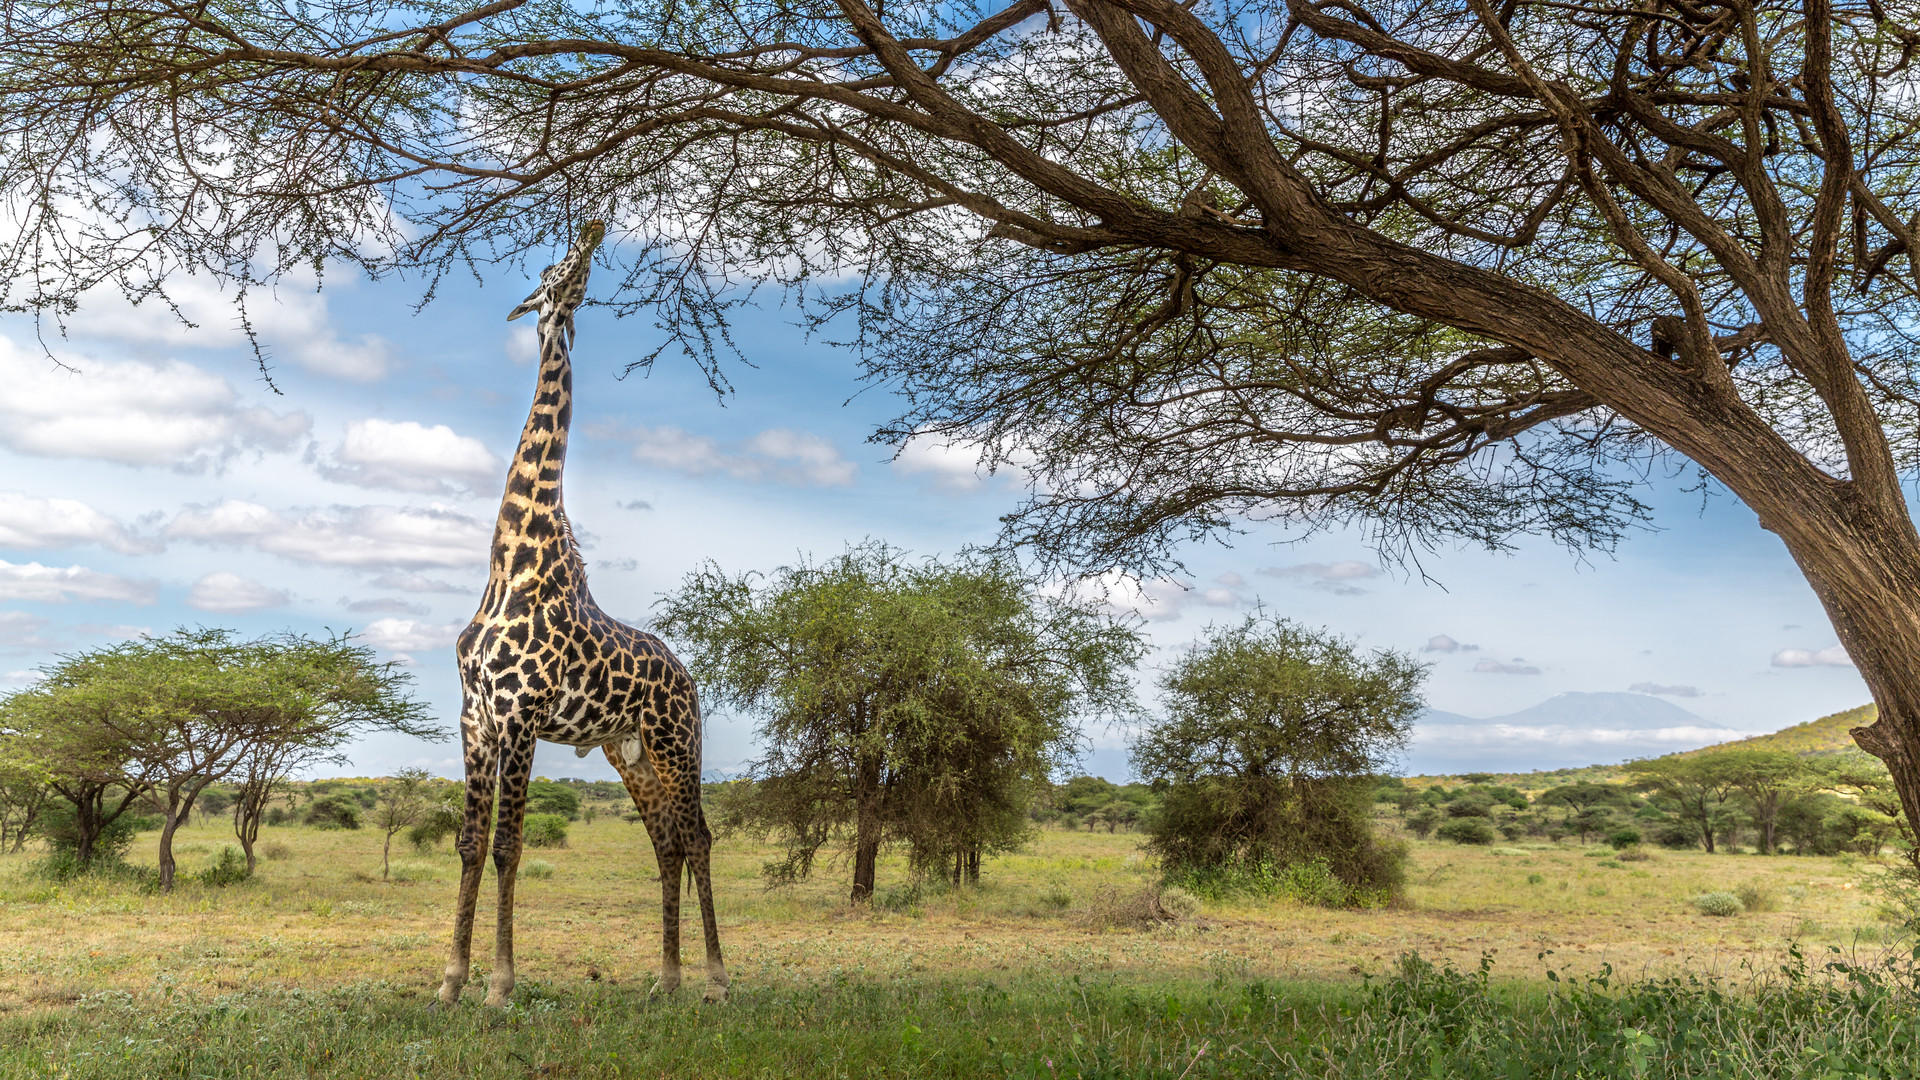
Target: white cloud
[1161, 599]
[374, 537]
[523, 345]
[19, 678]
[59, 584]
[292, 322]
[27, 521]
[405, 636]
[1831, 656]
[1519, 666]
[417, 583]
[382, 604]
[777, 455]
[942, 466]
[1333, 577]
[132, 413]
[1445, 644]
[227, 593]
[20, 631]
[1663, 690]
[407, 456]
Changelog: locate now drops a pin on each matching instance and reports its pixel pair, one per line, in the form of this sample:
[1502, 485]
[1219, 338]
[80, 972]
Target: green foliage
[544, 831]
[1467, 830]
[536, 868]
[1266, 753]
[926, 703]
[436, 823]
[229, 867]
[547, 797]
[58, 825]
[334, 812]
[1624, 837]
[1422, 822]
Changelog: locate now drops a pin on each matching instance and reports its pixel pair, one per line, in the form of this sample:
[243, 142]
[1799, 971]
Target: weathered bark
[868, 823]
[180, 798]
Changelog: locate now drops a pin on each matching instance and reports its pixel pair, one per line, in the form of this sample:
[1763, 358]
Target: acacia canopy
[1426, 264]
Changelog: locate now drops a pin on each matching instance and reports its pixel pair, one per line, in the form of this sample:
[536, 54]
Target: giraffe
[542, 661]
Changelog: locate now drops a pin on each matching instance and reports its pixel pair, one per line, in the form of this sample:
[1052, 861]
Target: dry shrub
[1137, 909]
[276, 850]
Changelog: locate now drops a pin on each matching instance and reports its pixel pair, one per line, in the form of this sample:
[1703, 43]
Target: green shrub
[334, 812]
[1721, 904]
[548, 797]
[438, 823]
[1422, 823]
[229, 867]
[1469, 830]
[1534, 879]
[1057, 897]
[1755, 897]
[544, 831]
[1677, 836]
[1624, 837]
[57, 825]
[1634, 853]
[537, 868]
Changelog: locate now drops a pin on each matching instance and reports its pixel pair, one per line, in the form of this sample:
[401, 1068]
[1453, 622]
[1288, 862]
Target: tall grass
[1844, 1019]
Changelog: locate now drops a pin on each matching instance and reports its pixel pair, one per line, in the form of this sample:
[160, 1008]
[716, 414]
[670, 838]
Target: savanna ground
[317, 968]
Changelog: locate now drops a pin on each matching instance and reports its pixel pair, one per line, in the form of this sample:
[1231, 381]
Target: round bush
[334, 812]
[537, 868]
[1178, 902]
[1722, 904]
[545, 830]
[1471, 830]
[1623, 837]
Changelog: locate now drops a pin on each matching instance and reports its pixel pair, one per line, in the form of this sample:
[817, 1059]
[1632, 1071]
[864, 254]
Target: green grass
[1418, 1020]
[317, 968]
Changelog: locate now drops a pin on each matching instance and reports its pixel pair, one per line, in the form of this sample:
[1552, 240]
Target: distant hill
[1565, 732]
[1827, 735]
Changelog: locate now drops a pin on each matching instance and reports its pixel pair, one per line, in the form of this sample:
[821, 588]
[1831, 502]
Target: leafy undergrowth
[1840, 1020]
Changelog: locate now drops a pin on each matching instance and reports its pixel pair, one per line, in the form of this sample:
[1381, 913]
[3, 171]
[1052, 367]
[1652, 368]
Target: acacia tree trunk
[180, 797]
[249, 809]
[868, 798]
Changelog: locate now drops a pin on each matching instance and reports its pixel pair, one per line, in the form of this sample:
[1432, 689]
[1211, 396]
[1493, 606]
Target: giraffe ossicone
[540, 660]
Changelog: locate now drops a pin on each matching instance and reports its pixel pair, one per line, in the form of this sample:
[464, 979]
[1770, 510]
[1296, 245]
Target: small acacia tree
[1267, 748]
[916, 701]
[1767, 778]
[401, 803]
[1695, 789]
[186, 710]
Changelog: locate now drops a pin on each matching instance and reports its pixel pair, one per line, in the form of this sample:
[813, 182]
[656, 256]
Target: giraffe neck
[532, 516]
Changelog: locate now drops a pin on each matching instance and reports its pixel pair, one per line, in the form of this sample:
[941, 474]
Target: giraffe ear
[531, 303]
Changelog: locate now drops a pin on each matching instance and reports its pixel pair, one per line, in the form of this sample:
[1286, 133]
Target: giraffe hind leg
[699, 858]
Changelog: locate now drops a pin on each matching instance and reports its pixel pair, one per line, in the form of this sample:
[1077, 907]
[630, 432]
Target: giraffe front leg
[481, 758]
[516, 767]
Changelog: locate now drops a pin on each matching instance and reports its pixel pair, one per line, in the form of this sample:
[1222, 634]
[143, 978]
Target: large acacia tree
[1428, 264]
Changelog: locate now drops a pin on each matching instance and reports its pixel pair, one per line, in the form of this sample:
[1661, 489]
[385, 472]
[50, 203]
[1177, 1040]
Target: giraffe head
[564, 284]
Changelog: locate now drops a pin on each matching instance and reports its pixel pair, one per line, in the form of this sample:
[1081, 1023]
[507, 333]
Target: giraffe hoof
[716, 994]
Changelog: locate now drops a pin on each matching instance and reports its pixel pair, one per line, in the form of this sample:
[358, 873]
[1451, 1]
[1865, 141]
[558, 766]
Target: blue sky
[154, 481]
